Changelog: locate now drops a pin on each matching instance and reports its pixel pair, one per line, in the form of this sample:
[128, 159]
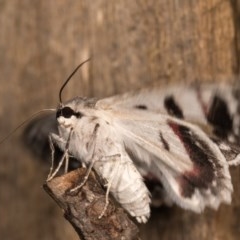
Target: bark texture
[134, 44]
[84, 207]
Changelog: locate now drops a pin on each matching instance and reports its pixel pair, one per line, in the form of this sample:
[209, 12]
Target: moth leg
[58, 141]
[106, 201]
[85, 178]
[109, 183]
[66, 164]
[62, 144]
[65, 154]
[88, 173]
[53, 138]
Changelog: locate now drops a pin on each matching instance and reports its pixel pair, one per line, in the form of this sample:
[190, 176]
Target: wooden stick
[82, 208]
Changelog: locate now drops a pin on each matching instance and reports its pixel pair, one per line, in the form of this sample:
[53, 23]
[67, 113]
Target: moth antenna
[65, 83]
[24, 122]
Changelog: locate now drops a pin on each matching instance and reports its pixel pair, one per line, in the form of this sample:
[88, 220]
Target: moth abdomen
[126, 185]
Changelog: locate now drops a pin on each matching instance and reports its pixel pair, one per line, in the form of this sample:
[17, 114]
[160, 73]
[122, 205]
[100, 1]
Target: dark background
[135, 44]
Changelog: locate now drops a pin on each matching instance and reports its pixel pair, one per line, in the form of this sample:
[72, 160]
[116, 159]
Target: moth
[185, 138]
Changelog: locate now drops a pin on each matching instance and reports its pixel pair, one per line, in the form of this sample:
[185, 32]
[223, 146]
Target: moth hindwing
[181, 143]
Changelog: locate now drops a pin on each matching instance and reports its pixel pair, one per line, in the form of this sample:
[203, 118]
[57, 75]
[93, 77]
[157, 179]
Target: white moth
[184, 138]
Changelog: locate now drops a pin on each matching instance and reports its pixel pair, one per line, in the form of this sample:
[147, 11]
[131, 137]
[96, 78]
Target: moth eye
[66, 112]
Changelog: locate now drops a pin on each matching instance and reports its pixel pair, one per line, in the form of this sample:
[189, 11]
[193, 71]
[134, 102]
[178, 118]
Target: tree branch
[82, 209]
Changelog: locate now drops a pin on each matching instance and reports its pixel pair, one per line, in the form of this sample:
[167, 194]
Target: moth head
[71, 112]
[68, 114]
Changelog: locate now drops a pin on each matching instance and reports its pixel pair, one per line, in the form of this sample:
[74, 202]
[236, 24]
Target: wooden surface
[134, 44]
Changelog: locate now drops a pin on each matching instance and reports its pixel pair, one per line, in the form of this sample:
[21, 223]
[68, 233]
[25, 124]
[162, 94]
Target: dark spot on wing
[93, 119]
[67, 112]
[202, 174]
[155, 187]
[228, 149]
[96, 128]
[219, 116]
[164, 142]
[172, 108]
[142, 107]
[94, 133]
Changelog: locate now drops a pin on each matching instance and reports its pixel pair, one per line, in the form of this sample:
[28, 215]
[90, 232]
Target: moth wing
[151, 99]
[216, 108]
[190, 166]
[36, 134]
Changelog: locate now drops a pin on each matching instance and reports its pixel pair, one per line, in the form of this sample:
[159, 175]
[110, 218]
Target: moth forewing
[180, 155]
[206, 104]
